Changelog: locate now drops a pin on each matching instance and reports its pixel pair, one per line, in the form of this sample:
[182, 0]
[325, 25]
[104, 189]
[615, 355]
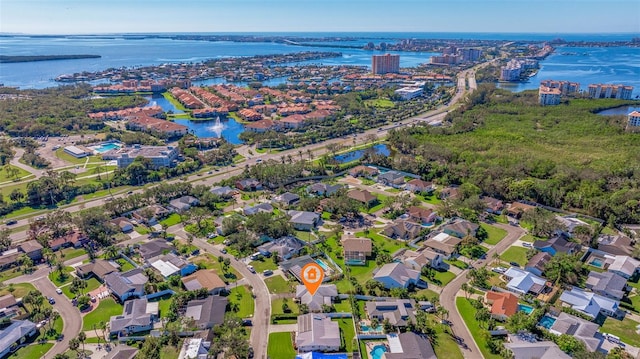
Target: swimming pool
[525, 308]
[322, 264]
[104, 147]
[378, 351]
[596, 262]
[546, 321]
[365, 328]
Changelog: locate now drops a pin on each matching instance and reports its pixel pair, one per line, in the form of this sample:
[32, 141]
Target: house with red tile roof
[75, 239]
[503, 305]
[249, 115]
[154, 125]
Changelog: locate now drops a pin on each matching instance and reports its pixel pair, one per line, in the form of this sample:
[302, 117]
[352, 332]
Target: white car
[58, 290]
[251, 269]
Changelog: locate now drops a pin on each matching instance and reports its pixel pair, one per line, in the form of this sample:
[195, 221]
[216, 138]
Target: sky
[143, 16]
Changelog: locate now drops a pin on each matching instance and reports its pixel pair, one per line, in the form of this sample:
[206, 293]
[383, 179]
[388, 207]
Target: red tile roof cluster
[227, 91]
[213, 99]
[121, 114]
[249, 115]
[292, 110]
[265, 124]
[186, 98]
[152, 124]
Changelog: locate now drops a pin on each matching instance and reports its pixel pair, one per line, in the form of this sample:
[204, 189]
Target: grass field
[55, 278]
[243, 298]
[92, 283]
[276, 306]
[494, 234]
[280, 346]
[209, 261]
[347, 333]
[443, 278]
[264, 264]
[70, 253]
[515, 254]
[467, 311]
[625, 329]
[106, 309]
[4, 177]
[380, 103]
[32, 351]
[172, 220]
[277, 284]
[20, 289]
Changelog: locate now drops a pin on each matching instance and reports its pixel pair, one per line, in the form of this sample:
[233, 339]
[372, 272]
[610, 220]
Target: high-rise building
[565, 87]
[384, 64]
[469, 55]
[548, 96]
[634, 118]
[610, 91]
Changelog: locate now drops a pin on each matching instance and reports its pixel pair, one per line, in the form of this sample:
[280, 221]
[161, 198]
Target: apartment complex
[452, 56]
[160, 156]
[385, 64]
[634, 118]
[565, 87]
[610, 91]
[514, 68]
[548, 96]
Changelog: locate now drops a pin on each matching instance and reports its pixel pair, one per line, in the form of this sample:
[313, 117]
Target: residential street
[449, 293]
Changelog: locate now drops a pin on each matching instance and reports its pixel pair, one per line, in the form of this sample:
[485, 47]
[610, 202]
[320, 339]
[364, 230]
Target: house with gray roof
[8, 306]
[607, 284]
[170, 264]
[523, 282]
[356, 250]
[624, 266]
[557, 244]
[287, 199]
[324, 295]
[97, 268]
[590, 303]
[303, 220]
[532, 349]
[583, 330]
[391, 178]
[183, 203]
[402, 229]
[154, 248]
[399, 312]
[618, 245]
[258, 208]
[397, 275]
[121, 351]
[363, 196]
[138, 315]
[126, 285]
[294, 266]
[225, 192]
[323, 189]
[537, 263]
[460, 228]
[207, 312]
[317, 332]
[284, 247]
[16, 333]
[409, 345]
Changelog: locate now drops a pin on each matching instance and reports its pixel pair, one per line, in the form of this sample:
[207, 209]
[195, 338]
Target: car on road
[11, 222]
[223, 251]
[130, 192]
[250, 353]
[52, 301]
[251, 269]
[210, 172]
[60, 337]
[515, 264]
[259, 160]
[58, 290]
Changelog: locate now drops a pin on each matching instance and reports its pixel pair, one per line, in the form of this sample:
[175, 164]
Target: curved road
[450, 291]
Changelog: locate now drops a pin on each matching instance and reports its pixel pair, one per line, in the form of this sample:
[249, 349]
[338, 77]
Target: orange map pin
[312, 276]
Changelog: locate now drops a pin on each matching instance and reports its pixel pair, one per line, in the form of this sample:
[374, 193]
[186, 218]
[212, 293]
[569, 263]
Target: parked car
[515, 264]
[526, 244]
[498, 270]
[247, 322]
[267, 272]
[251, 269]
[250, 353]
[223, 251]
[58, 290]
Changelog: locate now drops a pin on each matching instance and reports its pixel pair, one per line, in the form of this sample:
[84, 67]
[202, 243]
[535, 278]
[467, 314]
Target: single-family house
[324, 296]
[303, 220]
[624, 266]
[391, 178]
[450, 193]
[363, 171]
[73, 239]
[363, 196]
[170, 264]
[183, 204]
[258, 208]
[493, 205]
[287, 199]
[409, 345]
[224, 192]
[531, 349]
[399, 312]
[607, 284]
[568, 224]
[537, 263]
[31, 249]
[122, 351]
[417, 185]
[356, 250]
[557, 244]
[294, 266]
[523, 282]
[126, 285]
[150, 214]
[284, 248]
[194, 348]
[138, 315]
[590, 303]
[323, 189]
[8, 307]
[123, 223]
[619, 245]
[397, 275]
[204, 278]
[97, 268]
[583, 330]
[16, 333]
[402, 229]
[421, 215]
[461, 228]
[444, 244]
[317, 332]
[249, 184]
[154, 248]
[207, 312]
[516, 209]
[503, 305]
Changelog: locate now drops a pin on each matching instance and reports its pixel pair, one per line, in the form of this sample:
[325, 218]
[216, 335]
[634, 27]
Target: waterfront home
[522, 282]
[557, 244]
[166, 129]
[262, 126]
[391, 178]
[323, 297]
[303, 220]
[409, 345]
[537, 263]
[397, 275]
[138, 315]
[364, 171]
[461, 228]
[16, 333]
[607, 284]
[399, 312]
[590, 303]
[204, 278]
[317, 332]
[126, 285]
[503, 305]
[97, 268]
[249, 115]
[170, 264]
[207, 312]
[583, 330]
[356, 250]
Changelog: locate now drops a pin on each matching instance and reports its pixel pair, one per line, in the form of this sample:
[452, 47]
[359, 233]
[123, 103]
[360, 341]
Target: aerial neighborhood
[443, 227]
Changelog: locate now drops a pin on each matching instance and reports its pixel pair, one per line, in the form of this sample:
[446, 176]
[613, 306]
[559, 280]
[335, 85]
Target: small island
[10, 59]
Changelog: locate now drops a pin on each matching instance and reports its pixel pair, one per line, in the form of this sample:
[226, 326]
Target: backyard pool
[107, 146]
[365, 328]
[546, 321]
[378, 351]
[322, 264]
[596, 262]
[525, 308]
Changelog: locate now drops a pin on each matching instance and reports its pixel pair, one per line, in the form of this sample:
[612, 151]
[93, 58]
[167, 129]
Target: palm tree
[111, 252]
[74, 344]
[466, 289]
[82, 337]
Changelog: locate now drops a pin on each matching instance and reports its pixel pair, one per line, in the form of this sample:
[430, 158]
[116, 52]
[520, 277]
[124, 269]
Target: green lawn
[380, 103]
[20, 289]
[58, 281]
[280, 345]
[169, 352]
[76, 161]
[32, 351]
[467, 311]
[276, 306]
[431, 199]
[163, 306]
[107, 308]
[344, 306]
[172, 220]
[124, 265]
[277, 284]
[4, 177]
[242, 296]
[70, 253]
[625, 329]
[92, 283]
[347, 333]
[457, 263]
[388, 245]
[445, 346]
[209, 261]
[515, 254]
[494, 234]
[443, 278]
[10, 273]
[264, 264]
[141, 230]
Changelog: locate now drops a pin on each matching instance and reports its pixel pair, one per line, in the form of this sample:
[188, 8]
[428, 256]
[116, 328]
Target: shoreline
[9, 59]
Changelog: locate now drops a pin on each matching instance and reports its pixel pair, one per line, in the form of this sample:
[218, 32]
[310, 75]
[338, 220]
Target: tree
[74, 344]
[111, 252]
[83, 301]
[5, 239]
[564, 269]
[285, 306]
[569, 344]
[82, 337]
[466, 289]
[77, 285]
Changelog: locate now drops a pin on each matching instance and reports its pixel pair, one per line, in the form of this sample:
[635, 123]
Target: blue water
[165, 104]
[525, 308]
[366, 328]
[107, 146]
[378, 351]
[624, 110]
[596, 262]
[322, 264]
[203, 128]
[357, 154]
[546, 321]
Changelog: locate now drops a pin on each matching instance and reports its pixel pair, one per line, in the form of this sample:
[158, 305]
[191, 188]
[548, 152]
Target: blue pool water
[596, 262]
[106, 147]
[365, 328]
[546, 321]
[525, 308]
[378, 351]
[357, 154]
[322, 264]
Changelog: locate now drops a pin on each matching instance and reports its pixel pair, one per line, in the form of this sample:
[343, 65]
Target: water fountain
[218, 127]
